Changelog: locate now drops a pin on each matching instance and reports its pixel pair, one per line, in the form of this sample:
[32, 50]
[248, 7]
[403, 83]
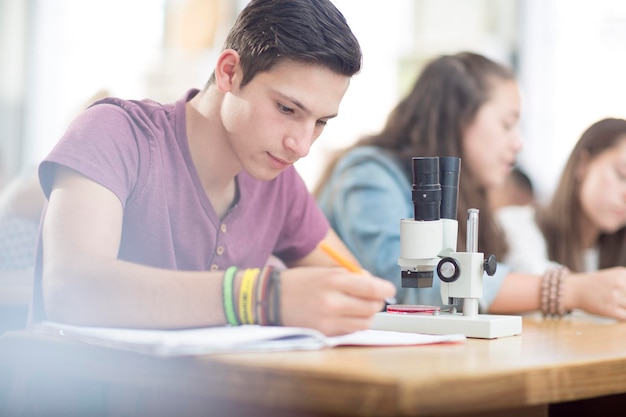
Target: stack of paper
[247, 338]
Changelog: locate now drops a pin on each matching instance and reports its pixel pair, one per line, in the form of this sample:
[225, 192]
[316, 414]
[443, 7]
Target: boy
[163, 216]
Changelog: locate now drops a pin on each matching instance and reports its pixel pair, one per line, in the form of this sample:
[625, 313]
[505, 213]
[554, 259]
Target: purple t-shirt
[139, 151]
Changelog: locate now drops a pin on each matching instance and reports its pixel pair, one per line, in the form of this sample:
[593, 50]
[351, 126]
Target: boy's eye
[284, 108]
[321, 122]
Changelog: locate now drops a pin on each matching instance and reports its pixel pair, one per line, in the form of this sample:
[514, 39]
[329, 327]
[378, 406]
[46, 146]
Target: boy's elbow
[60, 299]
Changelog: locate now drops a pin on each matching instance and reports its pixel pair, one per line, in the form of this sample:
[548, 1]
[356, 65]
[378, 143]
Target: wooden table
[551, 362]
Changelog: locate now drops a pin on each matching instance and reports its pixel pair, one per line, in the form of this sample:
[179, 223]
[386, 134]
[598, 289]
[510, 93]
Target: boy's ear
[227, 70]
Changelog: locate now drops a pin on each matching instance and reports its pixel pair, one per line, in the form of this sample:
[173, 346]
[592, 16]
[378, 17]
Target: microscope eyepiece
[426, 192]
[449, 171]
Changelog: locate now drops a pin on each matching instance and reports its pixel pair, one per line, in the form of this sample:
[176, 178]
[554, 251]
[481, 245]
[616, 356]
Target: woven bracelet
[262, 298]
[275, 282]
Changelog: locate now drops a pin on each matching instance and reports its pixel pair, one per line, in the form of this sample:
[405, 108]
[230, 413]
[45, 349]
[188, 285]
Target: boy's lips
[278, 162]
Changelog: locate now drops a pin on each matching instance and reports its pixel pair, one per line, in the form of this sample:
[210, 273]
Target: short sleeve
[101, 144]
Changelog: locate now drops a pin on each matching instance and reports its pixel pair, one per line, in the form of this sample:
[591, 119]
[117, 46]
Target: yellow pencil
[337, 257]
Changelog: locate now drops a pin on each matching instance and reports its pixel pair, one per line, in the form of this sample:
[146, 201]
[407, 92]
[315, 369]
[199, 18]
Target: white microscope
[428, 244]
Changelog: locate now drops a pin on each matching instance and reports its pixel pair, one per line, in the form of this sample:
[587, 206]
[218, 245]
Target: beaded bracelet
[552, 292]
[228, 296]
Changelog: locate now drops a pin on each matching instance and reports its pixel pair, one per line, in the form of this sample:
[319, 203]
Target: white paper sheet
[248, 338]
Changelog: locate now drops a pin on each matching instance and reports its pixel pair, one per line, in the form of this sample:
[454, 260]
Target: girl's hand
[602, 292]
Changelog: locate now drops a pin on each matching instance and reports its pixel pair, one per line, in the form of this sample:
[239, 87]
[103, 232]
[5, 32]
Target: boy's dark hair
[267, 32]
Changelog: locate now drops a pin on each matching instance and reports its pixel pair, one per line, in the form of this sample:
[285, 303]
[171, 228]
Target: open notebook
[248, 338]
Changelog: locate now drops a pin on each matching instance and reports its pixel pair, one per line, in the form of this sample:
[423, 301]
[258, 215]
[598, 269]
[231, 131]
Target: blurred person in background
[468, 106]
[583, 226]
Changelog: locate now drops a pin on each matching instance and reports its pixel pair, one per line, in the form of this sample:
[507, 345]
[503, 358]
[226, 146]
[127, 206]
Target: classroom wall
[568, 54]
[13, 38]
[572, 65]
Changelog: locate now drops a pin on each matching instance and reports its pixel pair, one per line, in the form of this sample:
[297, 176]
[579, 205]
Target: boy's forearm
[117, 293]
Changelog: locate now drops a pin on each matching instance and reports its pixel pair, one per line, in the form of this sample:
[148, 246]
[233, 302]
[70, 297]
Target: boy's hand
[331, 299]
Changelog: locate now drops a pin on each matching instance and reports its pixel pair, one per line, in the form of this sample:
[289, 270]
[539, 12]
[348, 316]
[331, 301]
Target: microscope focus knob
[448, 269]
[490, 265]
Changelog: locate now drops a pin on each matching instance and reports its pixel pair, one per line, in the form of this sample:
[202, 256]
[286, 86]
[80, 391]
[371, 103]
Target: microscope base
[482, 326]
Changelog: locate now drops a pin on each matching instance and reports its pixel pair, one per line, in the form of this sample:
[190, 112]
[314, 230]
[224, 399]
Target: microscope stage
[482, 326]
